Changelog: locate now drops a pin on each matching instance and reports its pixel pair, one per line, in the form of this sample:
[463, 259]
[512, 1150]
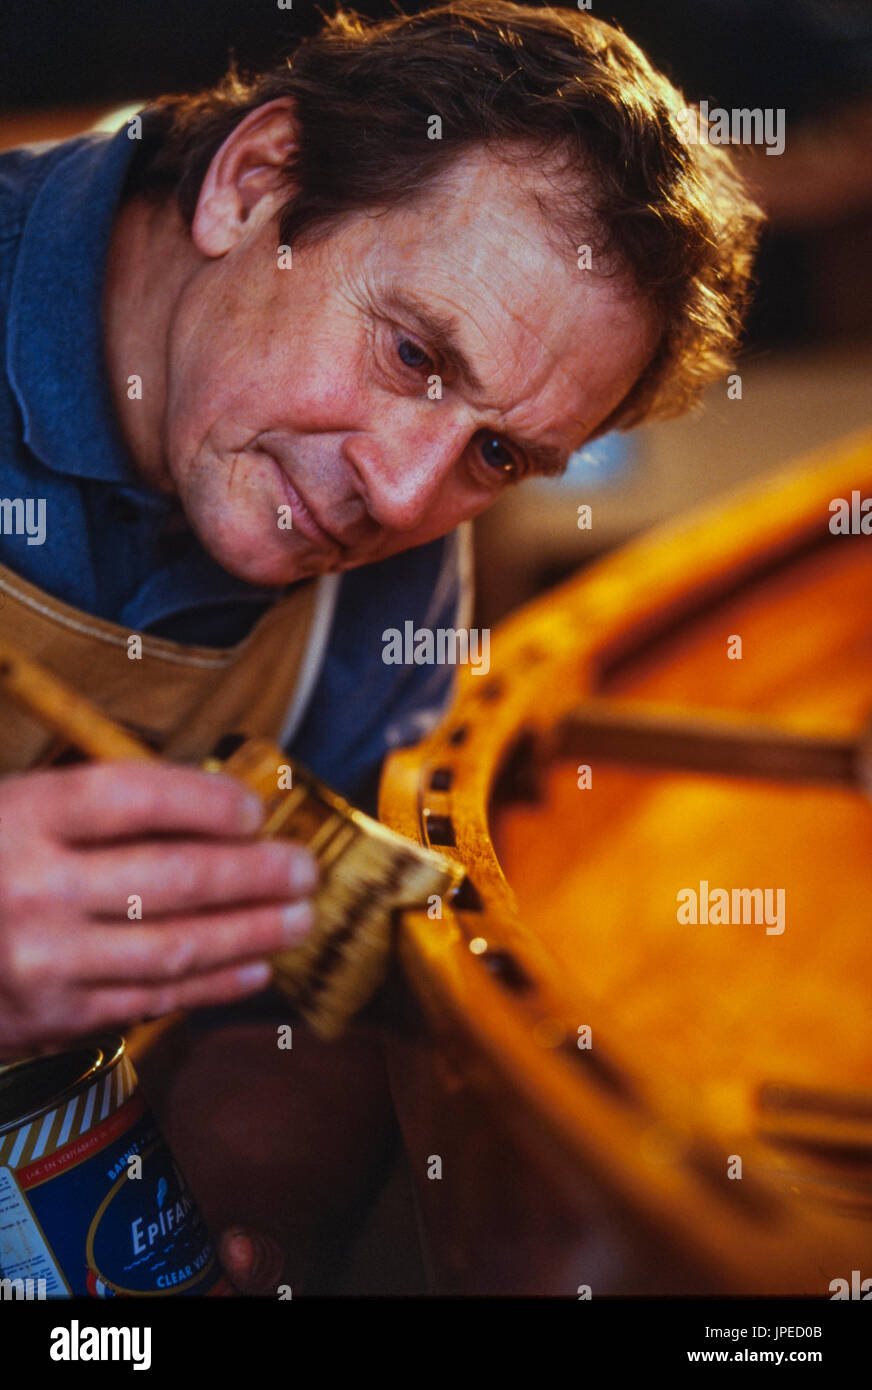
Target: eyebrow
[442, 332]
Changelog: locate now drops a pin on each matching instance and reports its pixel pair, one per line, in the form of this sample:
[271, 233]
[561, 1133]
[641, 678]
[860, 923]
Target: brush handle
[66, 711]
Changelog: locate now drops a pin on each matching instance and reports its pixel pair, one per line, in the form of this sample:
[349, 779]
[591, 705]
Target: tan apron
[181, 699]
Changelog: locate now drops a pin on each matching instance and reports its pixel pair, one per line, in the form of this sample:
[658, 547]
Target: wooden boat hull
[620, 1100]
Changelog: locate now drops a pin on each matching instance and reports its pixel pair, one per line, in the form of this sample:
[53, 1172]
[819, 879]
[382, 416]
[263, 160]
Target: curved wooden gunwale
[507, 1006]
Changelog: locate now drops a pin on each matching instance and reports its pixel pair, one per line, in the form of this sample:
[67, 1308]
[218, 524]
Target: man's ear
[243, 180]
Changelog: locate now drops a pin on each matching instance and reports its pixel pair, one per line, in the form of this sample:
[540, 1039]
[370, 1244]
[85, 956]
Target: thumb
[252, 1261]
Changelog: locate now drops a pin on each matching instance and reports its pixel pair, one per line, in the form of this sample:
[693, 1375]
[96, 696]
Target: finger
[176, 875]
[103, 801]
[184, 947]
[113, 1007]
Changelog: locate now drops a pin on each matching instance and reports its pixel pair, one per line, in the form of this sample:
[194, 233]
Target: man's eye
[496, 455]
[412, 355]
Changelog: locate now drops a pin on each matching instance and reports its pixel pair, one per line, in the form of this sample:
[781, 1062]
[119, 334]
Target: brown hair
[676, 218]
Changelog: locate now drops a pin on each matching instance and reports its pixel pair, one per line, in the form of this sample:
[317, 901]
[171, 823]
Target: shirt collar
[57, 365]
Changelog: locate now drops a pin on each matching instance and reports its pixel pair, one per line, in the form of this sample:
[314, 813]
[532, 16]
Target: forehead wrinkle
[550, 459]
[542, 374]
[545, 369]
[526, 352]
[481, 192]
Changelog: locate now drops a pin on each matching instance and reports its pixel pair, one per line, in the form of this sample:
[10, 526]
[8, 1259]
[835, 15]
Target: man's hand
[77, 843]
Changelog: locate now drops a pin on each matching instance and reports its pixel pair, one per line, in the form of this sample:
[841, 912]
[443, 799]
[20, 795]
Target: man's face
[312, 386]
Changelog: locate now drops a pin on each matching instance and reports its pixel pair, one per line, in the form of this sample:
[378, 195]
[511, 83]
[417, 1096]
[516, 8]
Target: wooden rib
[726, 743]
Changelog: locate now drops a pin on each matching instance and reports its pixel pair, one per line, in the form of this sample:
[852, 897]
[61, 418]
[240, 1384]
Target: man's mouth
[303, 518]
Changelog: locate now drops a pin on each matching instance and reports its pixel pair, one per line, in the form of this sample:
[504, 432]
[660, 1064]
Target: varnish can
[91, 1199]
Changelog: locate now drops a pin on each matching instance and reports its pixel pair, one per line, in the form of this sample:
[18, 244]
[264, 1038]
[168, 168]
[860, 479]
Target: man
[305, 327]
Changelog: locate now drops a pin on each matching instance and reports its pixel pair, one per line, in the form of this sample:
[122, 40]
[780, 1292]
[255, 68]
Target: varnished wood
[646, 734]
[577, 923]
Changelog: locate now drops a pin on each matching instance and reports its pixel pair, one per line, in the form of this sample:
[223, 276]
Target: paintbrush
[369, 874]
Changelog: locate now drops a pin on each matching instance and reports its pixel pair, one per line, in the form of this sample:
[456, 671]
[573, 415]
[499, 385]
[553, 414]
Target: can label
[92, 1201]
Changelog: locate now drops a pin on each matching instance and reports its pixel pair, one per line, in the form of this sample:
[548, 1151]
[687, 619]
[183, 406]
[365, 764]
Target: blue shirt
[116, 548]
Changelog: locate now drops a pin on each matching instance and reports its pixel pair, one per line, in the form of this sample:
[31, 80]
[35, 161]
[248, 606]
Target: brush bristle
[368, 875]
[343, 961]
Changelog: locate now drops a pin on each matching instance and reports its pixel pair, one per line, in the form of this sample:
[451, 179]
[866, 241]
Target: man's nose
[403, 466]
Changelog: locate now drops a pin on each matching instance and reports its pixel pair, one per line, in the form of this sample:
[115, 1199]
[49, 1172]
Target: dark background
[803, 55]
[792, 53]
